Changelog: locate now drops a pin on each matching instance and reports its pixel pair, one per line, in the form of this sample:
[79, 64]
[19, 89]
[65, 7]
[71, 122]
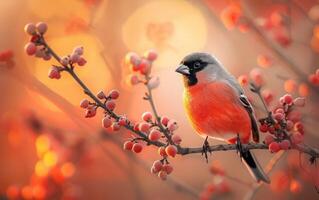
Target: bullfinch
[217, 107]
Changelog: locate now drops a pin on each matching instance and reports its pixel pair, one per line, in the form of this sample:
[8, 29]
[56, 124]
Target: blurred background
[50, 151]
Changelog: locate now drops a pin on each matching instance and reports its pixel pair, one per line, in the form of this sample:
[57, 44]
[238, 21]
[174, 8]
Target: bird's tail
[254, 168]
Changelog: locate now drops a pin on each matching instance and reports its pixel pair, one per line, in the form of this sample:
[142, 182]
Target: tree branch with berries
[284, 132]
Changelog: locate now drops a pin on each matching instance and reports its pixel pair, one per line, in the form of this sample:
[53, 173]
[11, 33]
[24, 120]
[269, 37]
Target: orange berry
[171, 150]
[303, 90]
[295, 186]
[290, 85]
[243, 80]
[264, 61]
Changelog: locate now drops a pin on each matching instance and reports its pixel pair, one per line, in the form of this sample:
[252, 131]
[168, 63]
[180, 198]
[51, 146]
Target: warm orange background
[107, 30]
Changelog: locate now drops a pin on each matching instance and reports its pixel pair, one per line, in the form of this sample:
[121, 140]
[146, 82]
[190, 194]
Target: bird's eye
[197, 65]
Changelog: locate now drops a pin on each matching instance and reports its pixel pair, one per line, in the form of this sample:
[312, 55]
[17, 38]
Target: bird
[218, 108]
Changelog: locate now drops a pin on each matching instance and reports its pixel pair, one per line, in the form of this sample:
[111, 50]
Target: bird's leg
[239, 146]
[206, 149]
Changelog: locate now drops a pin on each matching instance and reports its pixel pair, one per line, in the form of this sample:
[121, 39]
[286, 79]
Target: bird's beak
[183, 69]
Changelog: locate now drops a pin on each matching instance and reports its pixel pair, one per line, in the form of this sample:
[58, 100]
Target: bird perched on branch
[218, 108]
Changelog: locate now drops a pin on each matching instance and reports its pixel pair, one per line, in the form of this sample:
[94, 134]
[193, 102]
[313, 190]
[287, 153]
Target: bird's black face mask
[189, 69]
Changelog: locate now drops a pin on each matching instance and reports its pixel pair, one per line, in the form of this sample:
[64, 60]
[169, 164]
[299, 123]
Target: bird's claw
[239, 147]
[206, 149]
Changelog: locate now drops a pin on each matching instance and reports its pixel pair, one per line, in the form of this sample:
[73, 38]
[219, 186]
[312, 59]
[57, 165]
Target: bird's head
[199, 68]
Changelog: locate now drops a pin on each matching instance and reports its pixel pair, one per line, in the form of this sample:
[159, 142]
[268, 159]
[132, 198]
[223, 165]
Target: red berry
[90, 112]
[154, 135]
[134, 80]
[110, 104]
[106, 122]
[300, 101]
[317, 73]
[263, 128]
[264, 61]
[171, 150]
[162, 175]
[150, 55]
[274, 147]
[42, 27]
[157, 166]
[278, 116]
[296, 138]
[137, 147]
[313, 79]
[114, 94]
[164, 120]
[115, 126]
[122, 121]
[172, 125]
[128, 145]
[30, 48]
[145, 67]
[161, 151]
[30, 28]
[47, 56]
[284, 145]
[100, 95]
[288, 99]
[54, 73]
[299, 126]
[168, 168]
[136, 127]
[176, 139]
[84, 103]
[81, 61]
[147, 116]
[269, 139]
[289, 125]
[144, 127]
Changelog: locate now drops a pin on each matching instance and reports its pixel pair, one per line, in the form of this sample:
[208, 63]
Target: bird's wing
[245, 102]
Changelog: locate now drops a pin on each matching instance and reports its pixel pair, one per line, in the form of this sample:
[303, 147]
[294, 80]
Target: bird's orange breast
[214, 110]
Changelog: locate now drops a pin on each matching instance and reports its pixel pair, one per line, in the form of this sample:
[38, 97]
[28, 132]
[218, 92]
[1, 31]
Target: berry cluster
[35, 45]
[141, 66]
[164, 133]
[283, 125]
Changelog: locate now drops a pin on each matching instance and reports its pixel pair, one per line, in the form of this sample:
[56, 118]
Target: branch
[181, 150]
